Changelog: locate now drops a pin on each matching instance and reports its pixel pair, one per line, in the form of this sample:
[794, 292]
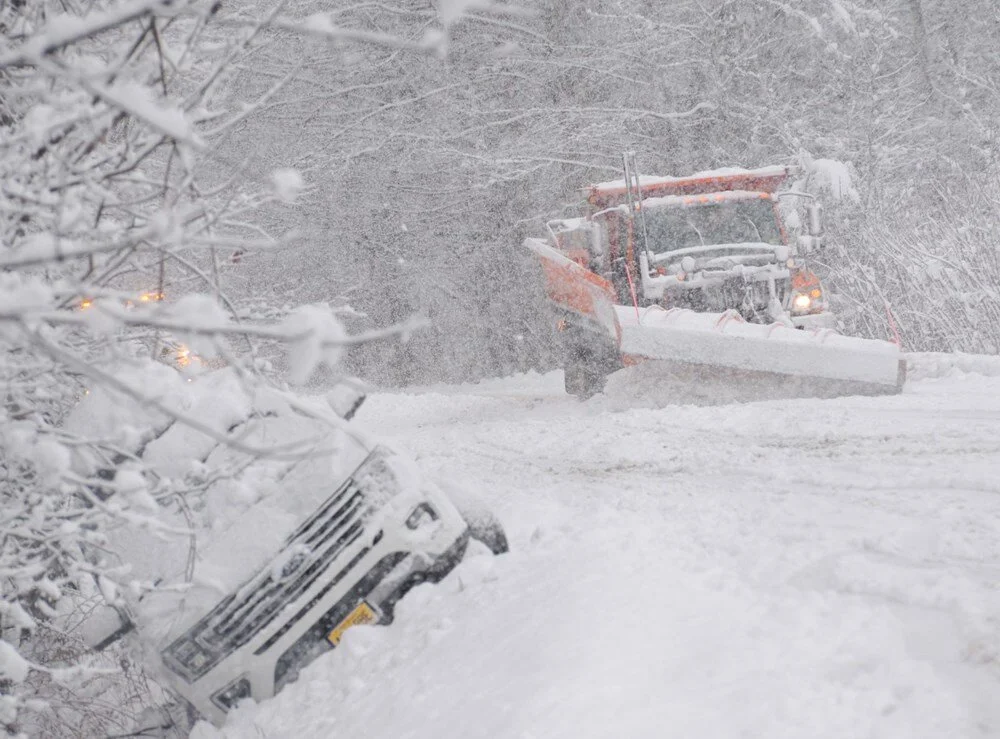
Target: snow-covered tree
[124, 204]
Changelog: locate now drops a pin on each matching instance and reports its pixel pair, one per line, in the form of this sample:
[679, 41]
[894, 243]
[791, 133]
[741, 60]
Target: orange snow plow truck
[699, 277]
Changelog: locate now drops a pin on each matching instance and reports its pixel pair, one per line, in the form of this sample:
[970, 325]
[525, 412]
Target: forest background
[425, 174]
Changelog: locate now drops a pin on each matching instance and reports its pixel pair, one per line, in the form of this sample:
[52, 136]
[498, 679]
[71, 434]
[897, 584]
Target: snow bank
[522, 384]
[926, 365]
[806, 568]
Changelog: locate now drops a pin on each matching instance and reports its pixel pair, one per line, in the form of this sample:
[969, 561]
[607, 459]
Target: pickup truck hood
[235, 506]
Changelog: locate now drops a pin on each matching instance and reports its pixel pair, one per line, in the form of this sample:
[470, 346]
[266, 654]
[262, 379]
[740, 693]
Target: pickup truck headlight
[232, 694]
[422, 514]
[193, 658]
[376, 478]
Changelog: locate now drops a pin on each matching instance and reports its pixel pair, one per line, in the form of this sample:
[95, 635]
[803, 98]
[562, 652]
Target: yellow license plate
[363, 614]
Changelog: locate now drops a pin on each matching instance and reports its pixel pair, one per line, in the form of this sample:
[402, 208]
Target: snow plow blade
[705, 357]
[773, 360]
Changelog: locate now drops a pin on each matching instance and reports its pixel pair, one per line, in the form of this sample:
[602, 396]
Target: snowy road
[775, 569]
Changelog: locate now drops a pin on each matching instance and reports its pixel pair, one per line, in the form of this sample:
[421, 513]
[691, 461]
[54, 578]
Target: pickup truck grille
[307, 554]
[253, 606]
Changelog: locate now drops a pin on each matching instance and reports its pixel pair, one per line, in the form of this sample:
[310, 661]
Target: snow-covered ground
[798, 568]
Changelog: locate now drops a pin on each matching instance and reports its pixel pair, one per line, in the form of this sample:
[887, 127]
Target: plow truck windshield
[673, 227]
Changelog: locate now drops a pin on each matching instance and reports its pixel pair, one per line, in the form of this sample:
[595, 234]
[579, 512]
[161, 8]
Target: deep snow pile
[776, 569]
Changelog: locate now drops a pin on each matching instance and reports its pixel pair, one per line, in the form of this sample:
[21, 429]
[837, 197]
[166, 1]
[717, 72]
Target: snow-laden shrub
[933, 280]
[121, 212]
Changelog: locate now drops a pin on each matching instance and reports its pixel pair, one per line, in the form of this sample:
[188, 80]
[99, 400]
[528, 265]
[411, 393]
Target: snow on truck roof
[763, 179]
[711, 174]
[674, 201]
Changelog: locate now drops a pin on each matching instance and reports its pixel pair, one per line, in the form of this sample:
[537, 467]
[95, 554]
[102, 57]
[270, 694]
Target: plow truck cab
[709, 242]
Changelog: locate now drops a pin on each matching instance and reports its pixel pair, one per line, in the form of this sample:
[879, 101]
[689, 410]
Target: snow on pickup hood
[246, 518]
[243, 498]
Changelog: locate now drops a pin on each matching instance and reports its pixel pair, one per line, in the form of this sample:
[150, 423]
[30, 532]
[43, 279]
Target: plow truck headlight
[807, 293]
[807, 300]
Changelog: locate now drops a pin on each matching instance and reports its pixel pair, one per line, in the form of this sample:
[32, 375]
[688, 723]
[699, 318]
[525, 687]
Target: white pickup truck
[280, 529]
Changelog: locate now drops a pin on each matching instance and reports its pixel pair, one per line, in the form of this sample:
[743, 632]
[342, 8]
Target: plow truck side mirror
[808, 244]
[814, 226]
[815, 211]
